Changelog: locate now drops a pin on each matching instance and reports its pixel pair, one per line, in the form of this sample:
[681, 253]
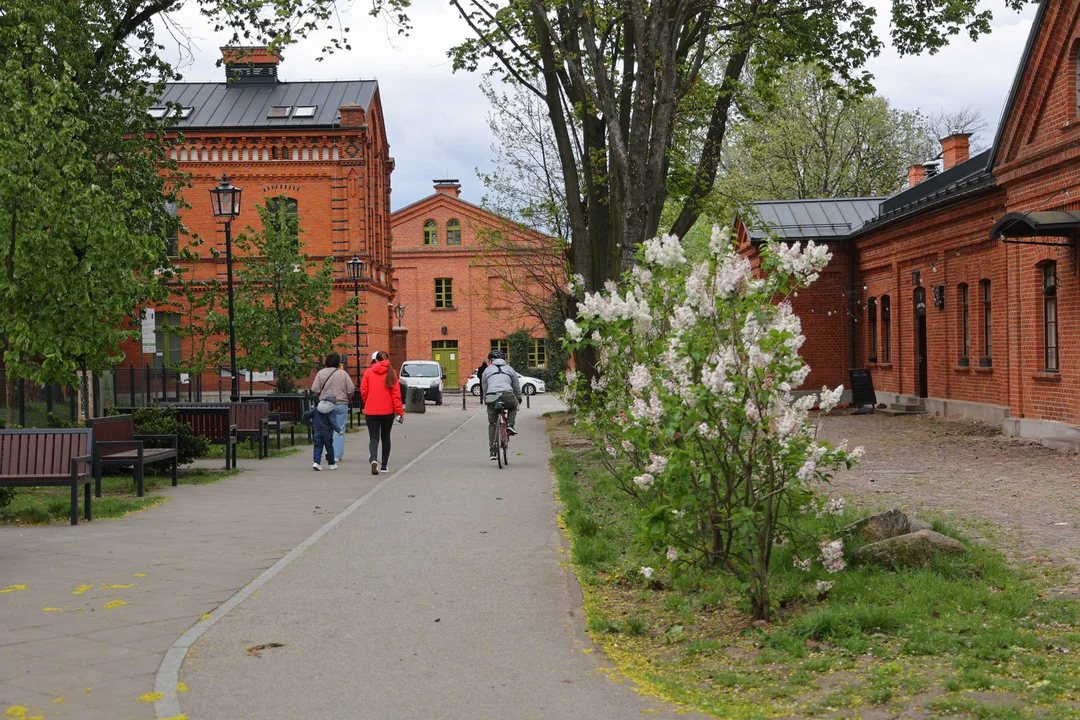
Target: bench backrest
[116, 428]
[207, 422]
[46, 451]
[295, 405]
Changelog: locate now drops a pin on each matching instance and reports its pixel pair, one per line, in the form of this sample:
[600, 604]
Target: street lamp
[400, 312]
[355, 266]
[225, 201]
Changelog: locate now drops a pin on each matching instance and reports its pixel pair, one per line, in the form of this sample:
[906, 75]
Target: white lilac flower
[829, 398]
[665, 251]
[644, 481]
[672, 554]
[647, 572]
[787, 424]
[823, 586]
[697, 288]
[835, 506]
[804, 263]
[640, 378]
[658, 464]
[803, 565]
[732, 277]
[806, 472]
[857, 454]
[684, 318]
[647, 412]
[781, 540]
[612, 451]
[575, 283]
[573, 330]
[720, 241]
[798, 377]
[677, 514]
[753, 414]
[627, 446]
[832, 556]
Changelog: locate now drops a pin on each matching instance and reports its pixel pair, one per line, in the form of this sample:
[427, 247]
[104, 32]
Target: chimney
[954, 149]
[448, 187]
[352, 115]
[915, 175]
[254, 64]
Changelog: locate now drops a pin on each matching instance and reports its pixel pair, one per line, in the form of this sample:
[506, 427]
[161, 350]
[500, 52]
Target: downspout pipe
[849, 247]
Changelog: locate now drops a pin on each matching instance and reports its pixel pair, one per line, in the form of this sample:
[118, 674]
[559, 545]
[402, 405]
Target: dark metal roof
[831, 219]
[246, 105]
[972, 175]
[1045, 223]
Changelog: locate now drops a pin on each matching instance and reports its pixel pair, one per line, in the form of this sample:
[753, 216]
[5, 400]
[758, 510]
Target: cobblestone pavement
[1019, 496]
[106, 599]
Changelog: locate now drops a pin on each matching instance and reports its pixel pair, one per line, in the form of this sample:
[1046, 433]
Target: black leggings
[378, 427]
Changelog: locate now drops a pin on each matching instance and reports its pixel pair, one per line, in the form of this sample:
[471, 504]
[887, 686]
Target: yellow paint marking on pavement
[151, 697]
[52, 610]
[138, 575]
[13, 588]
[114, 604]
[182, 687]
[82, 588]
[118, 587]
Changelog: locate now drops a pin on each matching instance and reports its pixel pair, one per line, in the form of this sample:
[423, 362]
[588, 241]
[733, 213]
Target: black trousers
[378, 427]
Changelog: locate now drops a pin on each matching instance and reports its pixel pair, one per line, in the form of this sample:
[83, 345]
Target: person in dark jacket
[381, 396]
[322, 429]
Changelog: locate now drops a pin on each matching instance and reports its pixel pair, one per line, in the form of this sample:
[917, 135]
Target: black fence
[142, 387]
[37, 405]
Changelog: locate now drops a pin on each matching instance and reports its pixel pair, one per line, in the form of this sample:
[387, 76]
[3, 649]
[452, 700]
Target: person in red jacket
[381, 394]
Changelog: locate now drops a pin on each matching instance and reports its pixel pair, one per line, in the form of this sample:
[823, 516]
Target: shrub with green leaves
[694, 408]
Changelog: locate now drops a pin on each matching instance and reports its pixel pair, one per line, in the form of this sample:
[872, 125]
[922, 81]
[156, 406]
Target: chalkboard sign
[862, 387]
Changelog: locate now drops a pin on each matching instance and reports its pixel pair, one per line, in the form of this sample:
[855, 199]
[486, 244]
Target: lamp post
[225, 201]
[355, 266]
[400, 312]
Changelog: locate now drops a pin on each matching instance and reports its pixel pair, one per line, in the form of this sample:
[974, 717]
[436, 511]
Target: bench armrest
[160, 437]
[87, 460]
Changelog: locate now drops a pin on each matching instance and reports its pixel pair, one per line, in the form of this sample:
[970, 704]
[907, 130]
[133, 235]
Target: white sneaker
[374, 467]
[331, 467]
[316, 466]
[384, 470]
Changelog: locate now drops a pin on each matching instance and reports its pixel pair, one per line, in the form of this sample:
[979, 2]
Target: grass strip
[967, 637]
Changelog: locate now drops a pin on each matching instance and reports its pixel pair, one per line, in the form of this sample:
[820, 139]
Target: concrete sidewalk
[443, 596]
[66, 636]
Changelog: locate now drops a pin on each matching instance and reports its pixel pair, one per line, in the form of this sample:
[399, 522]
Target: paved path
[184, 558]
[441, 595]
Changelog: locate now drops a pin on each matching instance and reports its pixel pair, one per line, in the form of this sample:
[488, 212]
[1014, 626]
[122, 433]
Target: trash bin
[414, 400]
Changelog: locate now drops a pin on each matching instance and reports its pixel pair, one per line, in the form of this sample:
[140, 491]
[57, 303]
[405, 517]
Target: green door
[445, 352]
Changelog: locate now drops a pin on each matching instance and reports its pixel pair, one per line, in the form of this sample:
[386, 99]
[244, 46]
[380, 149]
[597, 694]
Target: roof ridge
[818, 200]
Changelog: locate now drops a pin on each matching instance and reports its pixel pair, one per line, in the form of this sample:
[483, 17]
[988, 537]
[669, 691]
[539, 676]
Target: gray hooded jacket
[499, 378]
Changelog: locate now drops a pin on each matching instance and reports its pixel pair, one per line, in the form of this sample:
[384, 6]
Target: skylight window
[157, 112]
[304, 111]
[279, 111]
[184, 112]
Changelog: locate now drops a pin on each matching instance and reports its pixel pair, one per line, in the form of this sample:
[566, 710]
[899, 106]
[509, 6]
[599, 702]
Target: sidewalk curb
[168, 673]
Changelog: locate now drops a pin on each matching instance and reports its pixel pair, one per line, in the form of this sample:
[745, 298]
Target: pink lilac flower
[832, 555]
[644, 481]
[672, 554]
[647, 572]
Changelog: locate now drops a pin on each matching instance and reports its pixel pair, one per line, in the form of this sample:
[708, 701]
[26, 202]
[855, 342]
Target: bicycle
[502, 437]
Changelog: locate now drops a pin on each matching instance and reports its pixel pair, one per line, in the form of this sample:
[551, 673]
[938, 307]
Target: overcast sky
[436, 119]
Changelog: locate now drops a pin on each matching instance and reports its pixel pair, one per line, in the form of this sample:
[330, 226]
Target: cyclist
[500, 383]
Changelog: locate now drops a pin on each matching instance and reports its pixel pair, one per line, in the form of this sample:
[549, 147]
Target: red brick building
[322, 144]
[963, 290]
[457, 309]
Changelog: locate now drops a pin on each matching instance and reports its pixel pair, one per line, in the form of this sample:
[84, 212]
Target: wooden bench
[213, 422]
[290, 407]
[49, 457]
[281, 419]
[117, 444]
[252, 420]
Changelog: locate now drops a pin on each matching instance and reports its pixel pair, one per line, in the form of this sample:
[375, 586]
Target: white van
[426, 374]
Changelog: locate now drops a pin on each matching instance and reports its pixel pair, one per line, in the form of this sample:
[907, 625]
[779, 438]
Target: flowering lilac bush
[694, 407]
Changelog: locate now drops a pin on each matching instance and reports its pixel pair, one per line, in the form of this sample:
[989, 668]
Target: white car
[426, 374]
[529, 385]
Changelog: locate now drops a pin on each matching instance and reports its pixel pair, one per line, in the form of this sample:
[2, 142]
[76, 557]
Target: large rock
[912, 550]
[917, 525]
[882, 526]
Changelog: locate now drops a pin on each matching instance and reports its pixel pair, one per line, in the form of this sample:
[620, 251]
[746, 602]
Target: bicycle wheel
[505, 442]
[499, 428]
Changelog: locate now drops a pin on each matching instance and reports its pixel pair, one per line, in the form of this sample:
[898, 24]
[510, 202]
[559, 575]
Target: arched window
[431, 232]
[290, 220]
[453, 232]
[871, 313]
[886, 329]
[1050, 323]
[985, 361]
[965, 325]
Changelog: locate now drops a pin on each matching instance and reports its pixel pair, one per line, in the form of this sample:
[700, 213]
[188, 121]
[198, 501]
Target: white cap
[374, 356]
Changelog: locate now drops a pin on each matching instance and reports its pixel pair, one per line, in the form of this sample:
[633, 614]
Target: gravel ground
[1015, 494]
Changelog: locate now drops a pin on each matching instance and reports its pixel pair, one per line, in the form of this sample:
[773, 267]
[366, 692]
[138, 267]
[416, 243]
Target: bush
[6, 496]
[163, 421]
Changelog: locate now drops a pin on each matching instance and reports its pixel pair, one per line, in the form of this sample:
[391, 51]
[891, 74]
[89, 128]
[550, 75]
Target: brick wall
[482, 311]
